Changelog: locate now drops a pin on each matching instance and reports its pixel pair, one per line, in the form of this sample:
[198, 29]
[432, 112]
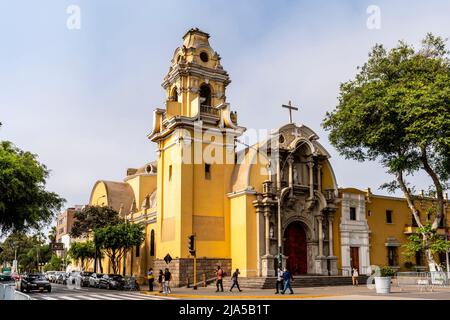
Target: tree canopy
[397, 111]
[91, 218]
[82, 251]
[24, 202]
[115, 240]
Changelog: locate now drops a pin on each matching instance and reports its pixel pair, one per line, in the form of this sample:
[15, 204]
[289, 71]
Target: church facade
[276, 200]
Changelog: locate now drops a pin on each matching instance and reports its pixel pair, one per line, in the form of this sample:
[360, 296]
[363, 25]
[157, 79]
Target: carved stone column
[333, 269]
[319, 179]
[290, 161]
[267, 230]
[330, 236]
[311, 179]
[320, 221]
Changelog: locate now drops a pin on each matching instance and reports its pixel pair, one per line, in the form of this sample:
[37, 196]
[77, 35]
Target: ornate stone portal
[307, 210]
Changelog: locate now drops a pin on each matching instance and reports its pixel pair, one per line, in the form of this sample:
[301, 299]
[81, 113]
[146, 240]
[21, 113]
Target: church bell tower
[195, 136]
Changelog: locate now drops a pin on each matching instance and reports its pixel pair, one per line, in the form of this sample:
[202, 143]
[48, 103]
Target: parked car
[62, 278]
[49, 275]
[85, 278]
[4, 277]
[54, 276]
[111, 281]
[35, 281]
[74, 277]
[94, 279]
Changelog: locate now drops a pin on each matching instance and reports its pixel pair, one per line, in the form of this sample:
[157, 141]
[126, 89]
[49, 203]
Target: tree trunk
[124, 262]
[409, 199]
[99, 257]
[415, 212]
[438, 186]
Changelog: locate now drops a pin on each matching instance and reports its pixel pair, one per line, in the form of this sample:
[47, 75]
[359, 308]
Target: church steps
[299, 281]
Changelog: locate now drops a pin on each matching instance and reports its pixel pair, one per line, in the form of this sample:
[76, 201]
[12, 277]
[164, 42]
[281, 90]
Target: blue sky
[83, 99]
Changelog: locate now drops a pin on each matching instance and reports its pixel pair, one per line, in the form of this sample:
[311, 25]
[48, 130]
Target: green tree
[24, 202]
[54, 264]
[82, 252]
[52, 235]
[91, 218]
[115, 240]
[432, 242]
[397, 111]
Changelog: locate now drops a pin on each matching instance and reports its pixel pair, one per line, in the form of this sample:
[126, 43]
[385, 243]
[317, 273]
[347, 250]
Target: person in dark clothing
[287, 277]
[167, 278]
[219, 280]
[150, 279]
[234, 278]
[160, 280]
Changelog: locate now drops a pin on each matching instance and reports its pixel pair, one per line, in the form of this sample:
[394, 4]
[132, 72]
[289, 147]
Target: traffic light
[191, 244]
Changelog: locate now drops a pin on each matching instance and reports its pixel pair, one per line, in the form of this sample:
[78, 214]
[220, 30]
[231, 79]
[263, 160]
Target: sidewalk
[360, 292]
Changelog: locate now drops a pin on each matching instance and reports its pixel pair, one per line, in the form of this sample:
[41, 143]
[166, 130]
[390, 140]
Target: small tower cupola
[196, 77]
[195, 88]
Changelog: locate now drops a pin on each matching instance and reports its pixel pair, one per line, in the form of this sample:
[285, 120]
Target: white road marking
[86, 297]
[46, 298]
[102, 297]
[68, 298]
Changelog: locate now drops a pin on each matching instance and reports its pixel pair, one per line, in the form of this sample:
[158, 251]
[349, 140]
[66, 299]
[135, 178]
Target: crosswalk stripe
[133, 296]
[68, 298]
[86, 297]
[46, 298]
[102, 297]
[121, 297]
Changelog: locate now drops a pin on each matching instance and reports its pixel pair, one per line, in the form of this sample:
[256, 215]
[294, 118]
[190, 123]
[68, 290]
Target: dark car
[35, 281]
[85, 278]
[111, 281]
[94, 279]
[6, 278]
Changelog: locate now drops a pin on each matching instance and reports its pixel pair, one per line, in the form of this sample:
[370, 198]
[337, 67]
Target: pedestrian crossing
[100, 296]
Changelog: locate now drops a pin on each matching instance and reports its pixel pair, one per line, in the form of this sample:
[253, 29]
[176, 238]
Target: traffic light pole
[195, 271]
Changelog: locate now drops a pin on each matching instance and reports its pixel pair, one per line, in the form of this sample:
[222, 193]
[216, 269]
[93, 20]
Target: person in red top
[219, 281]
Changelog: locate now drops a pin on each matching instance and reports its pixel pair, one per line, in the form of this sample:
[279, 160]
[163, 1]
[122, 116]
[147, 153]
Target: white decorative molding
[354, 233]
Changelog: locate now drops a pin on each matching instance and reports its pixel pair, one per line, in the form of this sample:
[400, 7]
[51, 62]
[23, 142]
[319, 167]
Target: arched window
[152, 243]
[174, 95]
[205, 95]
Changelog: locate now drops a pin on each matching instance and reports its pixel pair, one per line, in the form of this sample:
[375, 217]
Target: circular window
[204, 57]
[281, 138]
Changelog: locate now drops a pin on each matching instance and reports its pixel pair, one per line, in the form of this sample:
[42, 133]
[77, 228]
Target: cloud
[83, 100]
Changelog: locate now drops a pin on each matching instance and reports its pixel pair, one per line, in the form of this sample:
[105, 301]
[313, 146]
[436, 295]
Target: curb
[256, 297]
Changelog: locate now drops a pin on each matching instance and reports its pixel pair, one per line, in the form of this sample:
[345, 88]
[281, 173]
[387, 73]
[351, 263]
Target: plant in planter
[383, 281]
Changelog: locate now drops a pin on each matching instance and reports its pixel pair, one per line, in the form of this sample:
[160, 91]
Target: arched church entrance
[295, 248]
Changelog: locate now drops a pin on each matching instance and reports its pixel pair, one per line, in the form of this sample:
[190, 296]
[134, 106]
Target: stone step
[299, 281]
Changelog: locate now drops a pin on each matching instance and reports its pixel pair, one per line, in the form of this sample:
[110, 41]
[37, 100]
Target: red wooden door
[354, 258]
[295, 248]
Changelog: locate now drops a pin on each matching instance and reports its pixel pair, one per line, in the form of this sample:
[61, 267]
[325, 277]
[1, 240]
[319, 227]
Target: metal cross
[290, 107]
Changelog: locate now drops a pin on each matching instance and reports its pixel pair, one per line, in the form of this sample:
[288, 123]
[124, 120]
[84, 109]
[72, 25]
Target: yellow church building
[248, 208]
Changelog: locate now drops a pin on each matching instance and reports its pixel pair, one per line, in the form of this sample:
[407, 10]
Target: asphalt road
[63, 292]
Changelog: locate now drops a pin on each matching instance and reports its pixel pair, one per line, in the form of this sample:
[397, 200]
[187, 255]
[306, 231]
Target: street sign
[57, 246]
[167, 258]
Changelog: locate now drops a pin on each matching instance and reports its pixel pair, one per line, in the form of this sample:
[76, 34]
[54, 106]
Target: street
[62, 292]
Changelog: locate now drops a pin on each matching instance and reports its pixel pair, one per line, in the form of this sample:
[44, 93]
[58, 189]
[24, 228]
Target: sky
[83, 98]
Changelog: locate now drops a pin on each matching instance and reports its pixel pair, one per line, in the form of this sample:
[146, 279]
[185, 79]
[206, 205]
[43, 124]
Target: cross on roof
[290, 107]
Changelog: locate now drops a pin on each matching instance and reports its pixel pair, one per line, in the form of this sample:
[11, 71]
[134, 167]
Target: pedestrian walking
[160, 280]
[234, 279]
[279, 283]
[219, 280]
[167, 279]
[355, 276]
[287, 278]
[150, 279]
